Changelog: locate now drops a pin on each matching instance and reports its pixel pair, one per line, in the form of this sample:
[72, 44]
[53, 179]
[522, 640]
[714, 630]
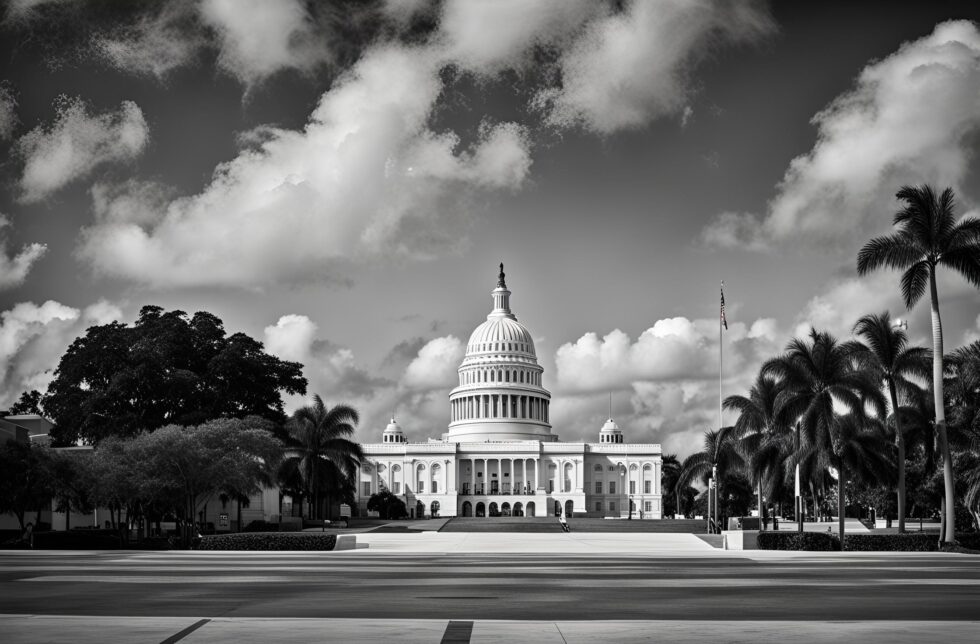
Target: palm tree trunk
[900, 444]
[949, 533]
[758, 489]
[840, 501]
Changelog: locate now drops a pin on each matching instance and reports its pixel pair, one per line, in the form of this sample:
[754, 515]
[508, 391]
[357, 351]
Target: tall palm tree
[886, 355]
[720, 455]
[816, 376]
[670, 468]
[928, 237]
[763, 441]
[319, 449]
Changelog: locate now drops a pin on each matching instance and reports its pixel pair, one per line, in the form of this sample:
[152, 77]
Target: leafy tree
[885, 354]
[675, 501]
[119, 380]
[321, 453]
[190, 464]
[29, 403]
[815, 377]
[71, 482]
[928, 237]
[25, 483]
[387, 505]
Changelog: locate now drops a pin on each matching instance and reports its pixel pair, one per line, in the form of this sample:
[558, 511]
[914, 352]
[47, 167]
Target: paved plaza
[442, 587]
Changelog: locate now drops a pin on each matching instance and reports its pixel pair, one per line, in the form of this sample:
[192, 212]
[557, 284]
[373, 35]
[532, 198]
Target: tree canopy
[166, 368]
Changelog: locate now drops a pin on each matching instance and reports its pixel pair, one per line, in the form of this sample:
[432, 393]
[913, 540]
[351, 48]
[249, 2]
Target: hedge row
[825, 541]
[77, 540]
[817, 541]
[269, 541]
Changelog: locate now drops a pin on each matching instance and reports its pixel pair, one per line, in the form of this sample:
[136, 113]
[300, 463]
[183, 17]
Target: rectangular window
[421, 487]
[647, 506]
[598, 506]
[612, 506]
[612, 487]
[598, 487]
[632, 487]
[396, 488]
[646, 487]
[435, 487]
[551, 485]
[366, 486]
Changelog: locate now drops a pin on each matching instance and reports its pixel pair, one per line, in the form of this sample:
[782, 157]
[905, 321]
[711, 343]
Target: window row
[499, 406]
[499, 346]
[647, 487]
[519, 376]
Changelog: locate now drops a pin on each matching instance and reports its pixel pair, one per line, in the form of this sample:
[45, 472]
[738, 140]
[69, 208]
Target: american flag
[723, 320]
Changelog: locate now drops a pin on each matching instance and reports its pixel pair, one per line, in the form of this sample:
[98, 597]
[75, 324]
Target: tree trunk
[949, 532]
[240, 514]
[758, 489]
[900, 444]
[840, 502]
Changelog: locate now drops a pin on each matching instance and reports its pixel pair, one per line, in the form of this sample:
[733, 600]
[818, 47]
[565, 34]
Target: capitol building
[500, 455]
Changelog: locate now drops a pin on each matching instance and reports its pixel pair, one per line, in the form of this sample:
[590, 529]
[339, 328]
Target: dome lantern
[393, 433]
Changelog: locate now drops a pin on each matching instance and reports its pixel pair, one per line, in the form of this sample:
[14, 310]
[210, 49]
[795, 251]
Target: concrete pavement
[219, 630]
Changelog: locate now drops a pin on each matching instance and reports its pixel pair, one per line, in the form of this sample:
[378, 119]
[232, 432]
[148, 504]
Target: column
[500, 475]
[486, 474]
[579, 475]
[472, 475]
[537, 481]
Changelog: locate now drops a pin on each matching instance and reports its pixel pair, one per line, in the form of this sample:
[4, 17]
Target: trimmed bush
[908, 542]
[814, 541]
[77, 540]
[970, 540]
[261, 526]
[269, 541]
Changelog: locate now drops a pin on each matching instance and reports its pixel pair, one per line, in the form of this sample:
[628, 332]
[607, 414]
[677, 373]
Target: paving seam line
[184, 633]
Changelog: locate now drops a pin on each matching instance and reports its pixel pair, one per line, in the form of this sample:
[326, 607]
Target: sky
[340, 180]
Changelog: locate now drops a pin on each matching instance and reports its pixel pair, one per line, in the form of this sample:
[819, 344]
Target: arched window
[507, 376]
[491, 376]
[499, 375]
[522, 377]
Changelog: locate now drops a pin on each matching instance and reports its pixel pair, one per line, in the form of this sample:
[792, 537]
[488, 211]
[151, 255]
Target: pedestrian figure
[564, 523]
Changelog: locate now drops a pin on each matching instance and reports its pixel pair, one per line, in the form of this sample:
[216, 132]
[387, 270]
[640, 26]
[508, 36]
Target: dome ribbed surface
[501, 335]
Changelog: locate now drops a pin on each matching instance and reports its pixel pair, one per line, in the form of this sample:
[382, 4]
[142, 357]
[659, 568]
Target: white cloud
[907, 120]
[14, 269]
[490, 36]
[76, 143]
[8, 112]
[34, 337]
[259, 38]
[366, 178]
[632, 66]
[436, 365]
[157, 43]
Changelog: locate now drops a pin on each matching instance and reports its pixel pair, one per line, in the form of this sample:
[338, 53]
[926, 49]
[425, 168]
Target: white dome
[610, 426]
[500, 397]
[501, 335]
[393, 433]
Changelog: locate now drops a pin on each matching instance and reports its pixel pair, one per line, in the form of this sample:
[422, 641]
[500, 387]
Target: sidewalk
[192, 630]
[603, 543]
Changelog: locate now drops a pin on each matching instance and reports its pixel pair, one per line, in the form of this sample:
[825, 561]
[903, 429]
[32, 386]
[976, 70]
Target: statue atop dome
[500, 278]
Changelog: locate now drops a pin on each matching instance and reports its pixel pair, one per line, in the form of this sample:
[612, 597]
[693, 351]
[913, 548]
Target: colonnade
[481, 406]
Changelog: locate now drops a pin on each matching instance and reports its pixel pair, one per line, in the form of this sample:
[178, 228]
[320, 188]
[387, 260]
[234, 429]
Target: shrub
[815, 541]
[261, 526]
[77, 540]
[909, 542]
[269, 541]
[969, 540]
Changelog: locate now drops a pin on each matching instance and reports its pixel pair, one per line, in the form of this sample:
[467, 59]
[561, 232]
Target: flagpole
[721, 352]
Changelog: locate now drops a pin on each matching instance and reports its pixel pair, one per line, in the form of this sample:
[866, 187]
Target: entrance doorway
[467, 509]
[480, 509]
[530, 508]
[569, 508]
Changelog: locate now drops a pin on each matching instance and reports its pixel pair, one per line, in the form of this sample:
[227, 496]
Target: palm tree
[720, 457]
[319, 450]
[928, 237]
[886, 355]
[815, 377]
[670, 467]
[762, 436]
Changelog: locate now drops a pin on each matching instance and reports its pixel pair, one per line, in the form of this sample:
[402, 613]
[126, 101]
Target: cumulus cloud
[76, 143]
[488, 37]
[14, 268]
[34, 337]
[632, 66]
[156, 43]
[436, 365]
[365, 178]
[331, 370]
[907, 120]
[260, 38]
[8, 112]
